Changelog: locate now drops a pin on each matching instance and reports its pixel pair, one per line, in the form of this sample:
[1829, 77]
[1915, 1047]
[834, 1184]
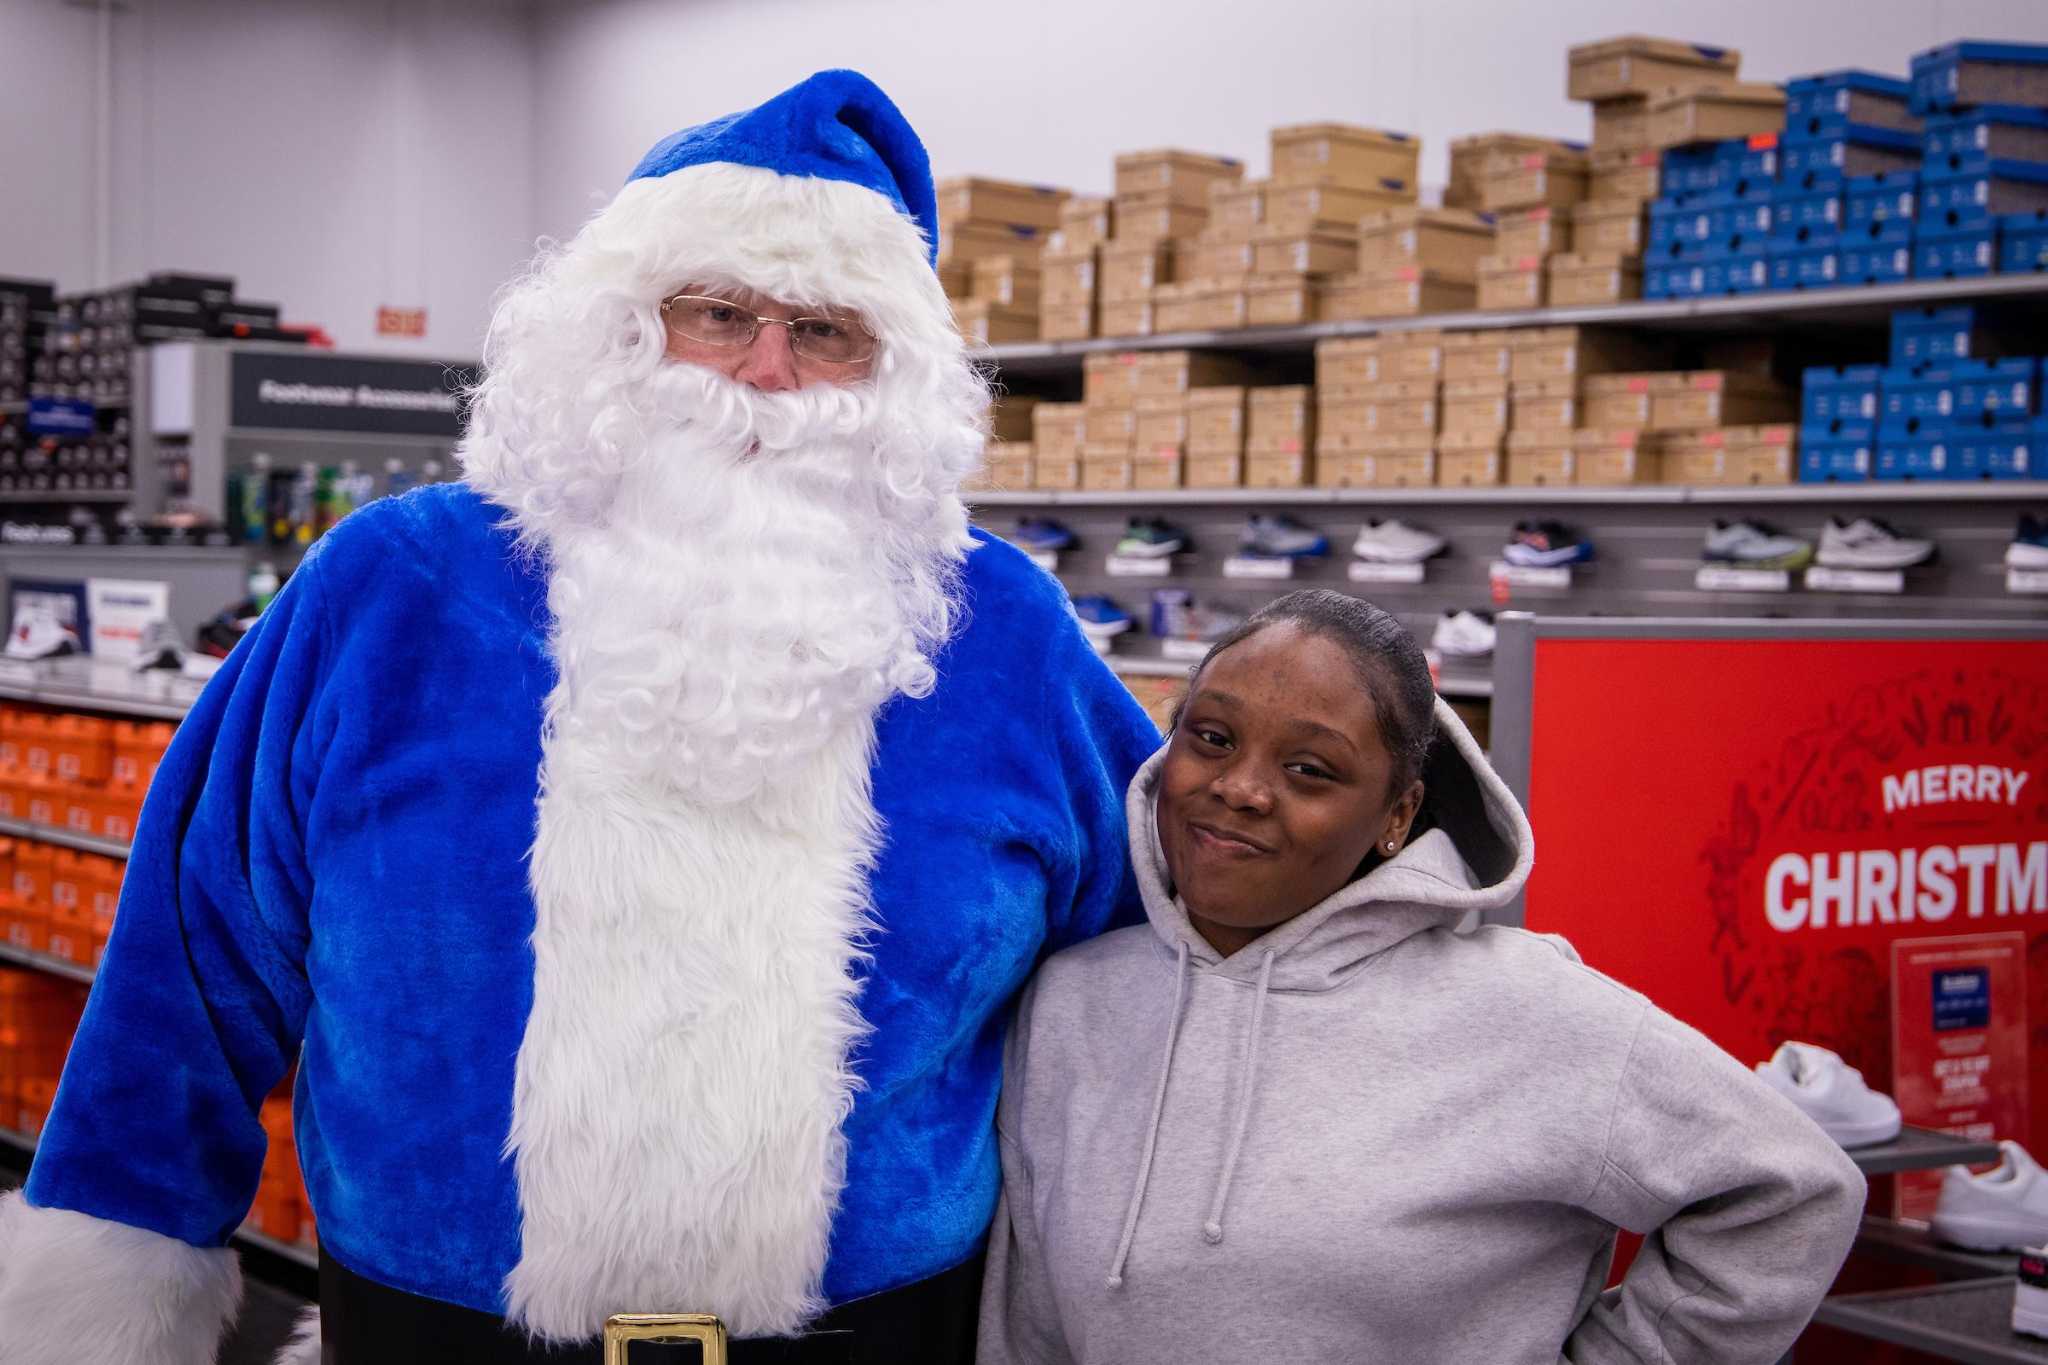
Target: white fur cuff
[76, 1288]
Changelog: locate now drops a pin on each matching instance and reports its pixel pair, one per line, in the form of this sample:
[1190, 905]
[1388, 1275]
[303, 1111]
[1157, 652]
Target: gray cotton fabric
[1370, 1138]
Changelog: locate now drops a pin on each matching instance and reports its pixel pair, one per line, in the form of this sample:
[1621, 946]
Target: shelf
[63, 838]
[296, 1252]
[80, 684]
[43, 962]
[70, 495]
[1965, 1320]
[1921, 1149]
[1869, 304]
[1704, 495]
[1913, 1245]
[1461, 686]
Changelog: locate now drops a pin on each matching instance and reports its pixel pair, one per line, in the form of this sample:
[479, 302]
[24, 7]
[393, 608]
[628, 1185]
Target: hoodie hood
[1474, 854]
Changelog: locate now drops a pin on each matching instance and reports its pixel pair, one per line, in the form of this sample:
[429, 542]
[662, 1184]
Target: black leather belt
[929, 1322]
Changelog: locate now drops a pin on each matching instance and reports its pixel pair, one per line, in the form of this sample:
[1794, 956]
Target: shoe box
[1639, 67]
[1965, 74]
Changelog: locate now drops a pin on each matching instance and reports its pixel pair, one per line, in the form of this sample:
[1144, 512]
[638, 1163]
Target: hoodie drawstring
[1123, 1246]
[1212, 1231]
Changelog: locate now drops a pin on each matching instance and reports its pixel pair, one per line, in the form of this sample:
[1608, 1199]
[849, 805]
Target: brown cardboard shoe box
[1169, 374]
[1476, 355]
[1610, 225]
[974, 241]
[1447, 241]
[1160, 421]
[1589, 278]
[1280, 420]
[1532, 179]
[1695, 399]
[1182, 307]
[1626, 175]
[1008, 281]
[1615, 455]
[1694, 457]
[1063, 473]
[1508, 282]
[971, 199]
[1282, 300]
[1066, 321]
[1407, 357]
[1109, 379]
[1731, 455]
[1543, 404]
[1108, 429]
[1342, 468]
[1005, 467]
[1403, 405]
[956, 278]
[1209, 257]
[1320, 253]
[1124, 318]
[1067, 277]
[1276, 471]
[991, 323]
[1182, 177]
[1159, 466]
[1347, 360]
[1058, 430]
[1343, 154]
[1469, 157]
[1341, 414]
[1477, 405]
[1237, 206]
[1621, 124]
[1540, 458]
[1130, 271]
[1214, 471]
[1637, 65]
[1108, 473]
[1216, 419]
[1405, 292]
[1561, 352]
[1085, 221]
[1619, 400]
[1309, 208]
[1730, 111]
[1469, 458]
[1533, 232]
[1010, 418]
[1407, 469]
[1155, 218]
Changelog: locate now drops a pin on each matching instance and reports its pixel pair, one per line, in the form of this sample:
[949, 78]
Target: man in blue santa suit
[636, 845]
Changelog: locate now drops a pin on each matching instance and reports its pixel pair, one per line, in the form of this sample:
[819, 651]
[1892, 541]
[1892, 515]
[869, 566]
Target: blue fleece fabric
[335, 852]
[838, 125]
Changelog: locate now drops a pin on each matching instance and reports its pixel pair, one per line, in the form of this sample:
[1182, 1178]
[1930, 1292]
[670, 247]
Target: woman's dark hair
[1387, 658]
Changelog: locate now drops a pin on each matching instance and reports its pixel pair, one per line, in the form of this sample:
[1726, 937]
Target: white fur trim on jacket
[76, 1288]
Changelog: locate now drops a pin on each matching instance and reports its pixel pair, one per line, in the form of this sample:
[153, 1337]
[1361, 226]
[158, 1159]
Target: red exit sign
[401, 322]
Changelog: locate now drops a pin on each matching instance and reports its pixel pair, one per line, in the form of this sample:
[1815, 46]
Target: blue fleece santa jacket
[331, 869]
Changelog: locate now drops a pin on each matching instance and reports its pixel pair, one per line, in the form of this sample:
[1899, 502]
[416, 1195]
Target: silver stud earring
[1390, 845]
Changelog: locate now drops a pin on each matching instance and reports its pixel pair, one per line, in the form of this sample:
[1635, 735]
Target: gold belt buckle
[620, 1328]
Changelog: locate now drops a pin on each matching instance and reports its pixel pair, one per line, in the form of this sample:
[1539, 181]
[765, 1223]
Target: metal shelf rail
[64, 838]
[1671, 495]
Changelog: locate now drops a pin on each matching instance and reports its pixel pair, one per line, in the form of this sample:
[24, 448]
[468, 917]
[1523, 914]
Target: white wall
[1049, 92]
[330, 156]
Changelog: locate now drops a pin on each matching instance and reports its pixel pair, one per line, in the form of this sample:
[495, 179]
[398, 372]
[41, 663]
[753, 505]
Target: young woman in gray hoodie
[1301, 1117]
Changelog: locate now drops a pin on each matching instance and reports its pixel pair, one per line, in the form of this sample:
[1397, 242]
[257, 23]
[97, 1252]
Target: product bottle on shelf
[304, 504]
[262, 585]
[277, 502]
[327, 508]
[254, 510]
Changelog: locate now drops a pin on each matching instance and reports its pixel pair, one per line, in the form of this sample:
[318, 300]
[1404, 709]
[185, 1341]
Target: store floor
[267, 1313]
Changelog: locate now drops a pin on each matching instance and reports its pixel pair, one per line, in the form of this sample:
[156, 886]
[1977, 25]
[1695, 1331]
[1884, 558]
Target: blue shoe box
[1733, 167]
[1832, 393]
[1805, 267]
[1805, 218]
[1707, 273]
[1918, 456]
[1879, 254]
[1711, 221]
[1992, 390]
[1954, 255]
[1966, 74]
[1861, 150]
[1956, 200]
[1844, 455]
[1748, 271]
[1911, 399]
[2004, 450]
[1828, 104]
[1971, 140]
[1871, 199]
[1932, 336]
[2023, 241]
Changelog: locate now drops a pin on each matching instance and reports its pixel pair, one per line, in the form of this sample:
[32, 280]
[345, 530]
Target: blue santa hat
[837, 125]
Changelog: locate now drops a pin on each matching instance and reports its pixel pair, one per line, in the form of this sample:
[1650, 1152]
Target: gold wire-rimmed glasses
[832, 338]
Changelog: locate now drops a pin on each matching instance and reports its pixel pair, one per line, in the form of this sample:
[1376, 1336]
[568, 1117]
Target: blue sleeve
[1101, 737]
[199, 1006]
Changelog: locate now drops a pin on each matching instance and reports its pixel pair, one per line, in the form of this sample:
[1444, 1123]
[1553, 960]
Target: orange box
[102, 930]
[10, 738]
[119, 810]
[79, 811]
[34, 865]
[37, 1095]
[81, 749]
[43, 801]
[70, 935]
[70, 880]
[35, 742]
[138, 750]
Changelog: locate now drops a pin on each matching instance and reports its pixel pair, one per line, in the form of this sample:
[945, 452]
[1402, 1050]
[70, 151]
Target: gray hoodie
[1370, 1138]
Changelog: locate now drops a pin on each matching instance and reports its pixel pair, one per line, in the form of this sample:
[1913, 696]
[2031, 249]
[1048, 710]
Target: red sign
[1959, 1044]
[401, 322]
[1741, 829]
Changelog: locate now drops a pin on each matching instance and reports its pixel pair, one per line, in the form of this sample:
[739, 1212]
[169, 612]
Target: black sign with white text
[312, 392]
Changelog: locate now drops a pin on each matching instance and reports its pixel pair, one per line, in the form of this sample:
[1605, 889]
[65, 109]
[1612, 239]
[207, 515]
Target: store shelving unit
[44, 962]
[80, 684]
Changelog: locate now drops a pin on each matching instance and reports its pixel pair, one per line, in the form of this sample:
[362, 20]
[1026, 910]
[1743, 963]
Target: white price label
[1257, 566]
[1855, 580]
[1137, 566]
[1184, 651]
[1723, 578]
[1364, 571]
[2026, 580]
[1531, 576]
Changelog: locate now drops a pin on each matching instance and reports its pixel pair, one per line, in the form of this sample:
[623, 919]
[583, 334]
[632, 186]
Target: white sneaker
[1831, 1093]
[1394, 542]
[39, 634]
[2004, 1209]
[1752, 546]
[2030, 1295]
[1463, 635]
[1867, 543]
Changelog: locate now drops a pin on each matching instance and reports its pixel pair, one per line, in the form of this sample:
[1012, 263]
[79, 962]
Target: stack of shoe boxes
[1710, 225]
[1378, 406]
[1141, 409]
[27, 307]
[1069, 269]
[1334, 188]
[1985, 167]
[1160, 209]
[1531, 195]
[1848, 135]
[1007, 459]
[990, 235]
[1942, 409]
